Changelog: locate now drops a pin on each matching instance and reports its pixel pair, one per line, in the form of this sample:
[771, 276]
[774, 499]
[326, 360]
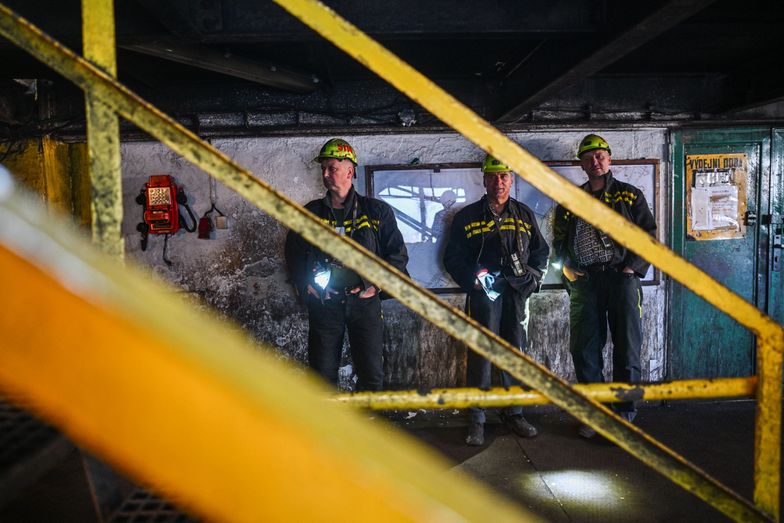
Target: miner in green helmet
[592, 142]
[603, 277]
[338, 299]
[497, 255]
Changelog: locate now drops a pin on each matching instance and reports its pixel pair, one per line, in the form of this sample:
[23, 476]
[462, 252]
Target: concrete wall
[240, 270]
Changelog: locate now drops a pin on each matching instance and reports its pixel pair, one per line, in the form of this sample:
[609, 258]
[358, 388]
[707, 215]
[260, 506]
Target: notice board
[716, 195]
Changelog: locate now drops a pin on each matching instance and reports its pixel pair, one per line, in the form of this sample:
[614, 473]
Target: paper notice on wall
[717, 195]
[714, 208]
[700, 210]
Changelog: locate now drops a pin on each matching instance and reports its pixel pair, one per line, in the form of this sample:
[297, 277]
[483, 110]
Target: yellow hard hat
[491, 165]
[592, 142]
[338, 149]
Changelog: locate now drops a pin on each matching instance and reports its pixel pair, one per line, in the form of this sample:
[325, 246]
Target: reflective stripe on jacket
[623, 198]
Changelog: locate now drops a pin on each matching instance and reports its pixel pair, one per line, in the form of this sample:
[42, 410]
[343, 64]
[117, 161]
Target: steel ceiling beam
[548, 73]
[203, 57]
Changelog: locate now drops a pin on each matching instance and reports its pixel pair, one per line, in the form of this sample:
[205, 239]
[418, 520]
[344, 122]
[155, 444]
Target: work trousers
[507, 316]
[327, 324]
[596, 300]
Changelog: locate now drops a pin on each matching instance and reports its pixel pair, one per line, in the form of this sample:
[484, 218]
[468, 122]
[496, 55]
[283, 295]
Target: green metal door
[724, 237]
[774, 222]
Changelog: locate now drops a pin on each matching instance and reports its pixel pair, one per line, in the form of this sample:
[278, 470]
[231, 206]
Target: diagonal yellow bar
[445, 107]
[419, 300]
[502, 397]
[449, 110]
[484, 342]
[131, 370]
[103, 132]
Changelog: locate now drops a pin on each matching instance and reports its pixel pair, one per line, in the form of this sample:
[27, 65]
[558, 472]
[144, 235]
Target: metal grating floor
[21, 435]
[143, 506]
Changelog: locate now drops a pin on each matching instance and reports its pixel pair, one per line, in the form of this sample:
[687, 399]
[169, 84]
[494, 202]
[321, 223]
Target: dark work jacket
[474, 244]
[375, 229]
[623, 198]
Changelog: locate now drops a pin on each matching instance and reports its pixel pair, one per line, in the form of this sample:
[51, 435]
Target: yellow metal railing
[103, 132]
[770, 335]
[103, 87]
[181, 401]
[500, 397]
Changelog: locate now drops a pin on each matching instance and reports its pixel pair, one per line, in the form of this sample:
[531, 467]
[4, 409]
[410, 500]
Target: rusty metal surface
[499, 397]
[767, 433]
[103, 132]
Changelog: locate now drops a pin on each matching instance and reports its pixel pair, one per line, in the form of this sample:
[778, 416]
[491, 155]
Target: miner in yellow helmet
[603, 277]
[337, 298]
[497, 255]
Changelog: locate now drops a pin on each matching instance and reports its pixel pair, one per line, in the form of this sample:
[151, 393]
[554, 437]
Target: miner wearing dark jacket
[337, 298]
[498, 256]
[603, 277]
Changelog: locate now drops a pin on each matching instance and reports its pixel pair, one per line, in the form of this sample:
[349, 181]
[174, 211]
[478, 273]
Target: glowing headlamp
[322, 276]
[486, 280]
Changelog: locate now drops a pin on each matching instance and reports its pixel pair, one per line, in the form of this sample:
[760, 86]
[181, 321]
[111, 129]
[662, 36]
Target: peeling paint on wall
[240, 270]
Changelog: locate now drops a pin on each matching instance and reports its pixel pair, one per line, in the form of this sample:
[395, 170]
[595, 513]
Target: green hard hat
[338, 149]
[491, 165]
[592, 142]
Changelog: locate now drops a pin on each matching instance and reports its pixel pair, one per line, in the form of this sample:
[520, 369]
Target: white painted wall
[240, 270]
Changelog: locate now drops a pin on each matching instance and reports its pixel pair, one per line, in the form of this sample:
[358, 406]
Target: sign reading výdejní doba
[716, 195]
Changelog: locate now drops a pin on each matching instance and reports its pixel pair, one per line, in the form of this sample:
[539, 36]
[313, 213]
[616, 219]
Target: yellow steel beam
[55, 166]
[103, 131]
[445, 107]
[182, 402]
[451, 320]
[767, 440]
[501, 397]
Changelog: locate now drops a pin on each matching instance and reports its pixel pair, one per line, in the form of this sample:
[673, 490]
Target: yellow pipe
[501, 397]
[184, 403]
[103, 132]
[767, 437]
[419, 300]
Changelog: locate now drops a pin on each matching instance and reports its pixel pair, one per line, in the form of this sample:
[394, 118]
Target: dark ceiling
[248, 65]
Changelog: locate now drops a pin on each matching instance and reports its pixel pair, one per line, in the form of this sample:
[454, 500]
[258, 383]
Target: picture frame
[426, 197]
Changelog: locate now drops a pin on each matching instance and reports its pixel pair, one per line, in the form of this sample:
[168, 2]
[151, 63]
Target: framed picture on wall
[426, 197]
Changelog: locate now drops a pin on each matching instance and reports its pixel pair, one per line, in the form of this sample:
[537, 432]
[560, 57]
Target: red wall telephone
[161, 210]
[161, 199]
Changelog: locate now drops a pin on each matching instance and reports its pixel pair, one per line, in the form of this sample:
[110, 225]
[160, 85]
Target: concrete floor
[562, 477]
[557, 475]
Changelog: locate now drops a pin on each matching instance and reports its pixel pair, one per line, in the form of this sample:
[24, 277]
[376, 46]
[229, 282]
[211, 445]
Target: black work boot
[476, 434]
[519, 425]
